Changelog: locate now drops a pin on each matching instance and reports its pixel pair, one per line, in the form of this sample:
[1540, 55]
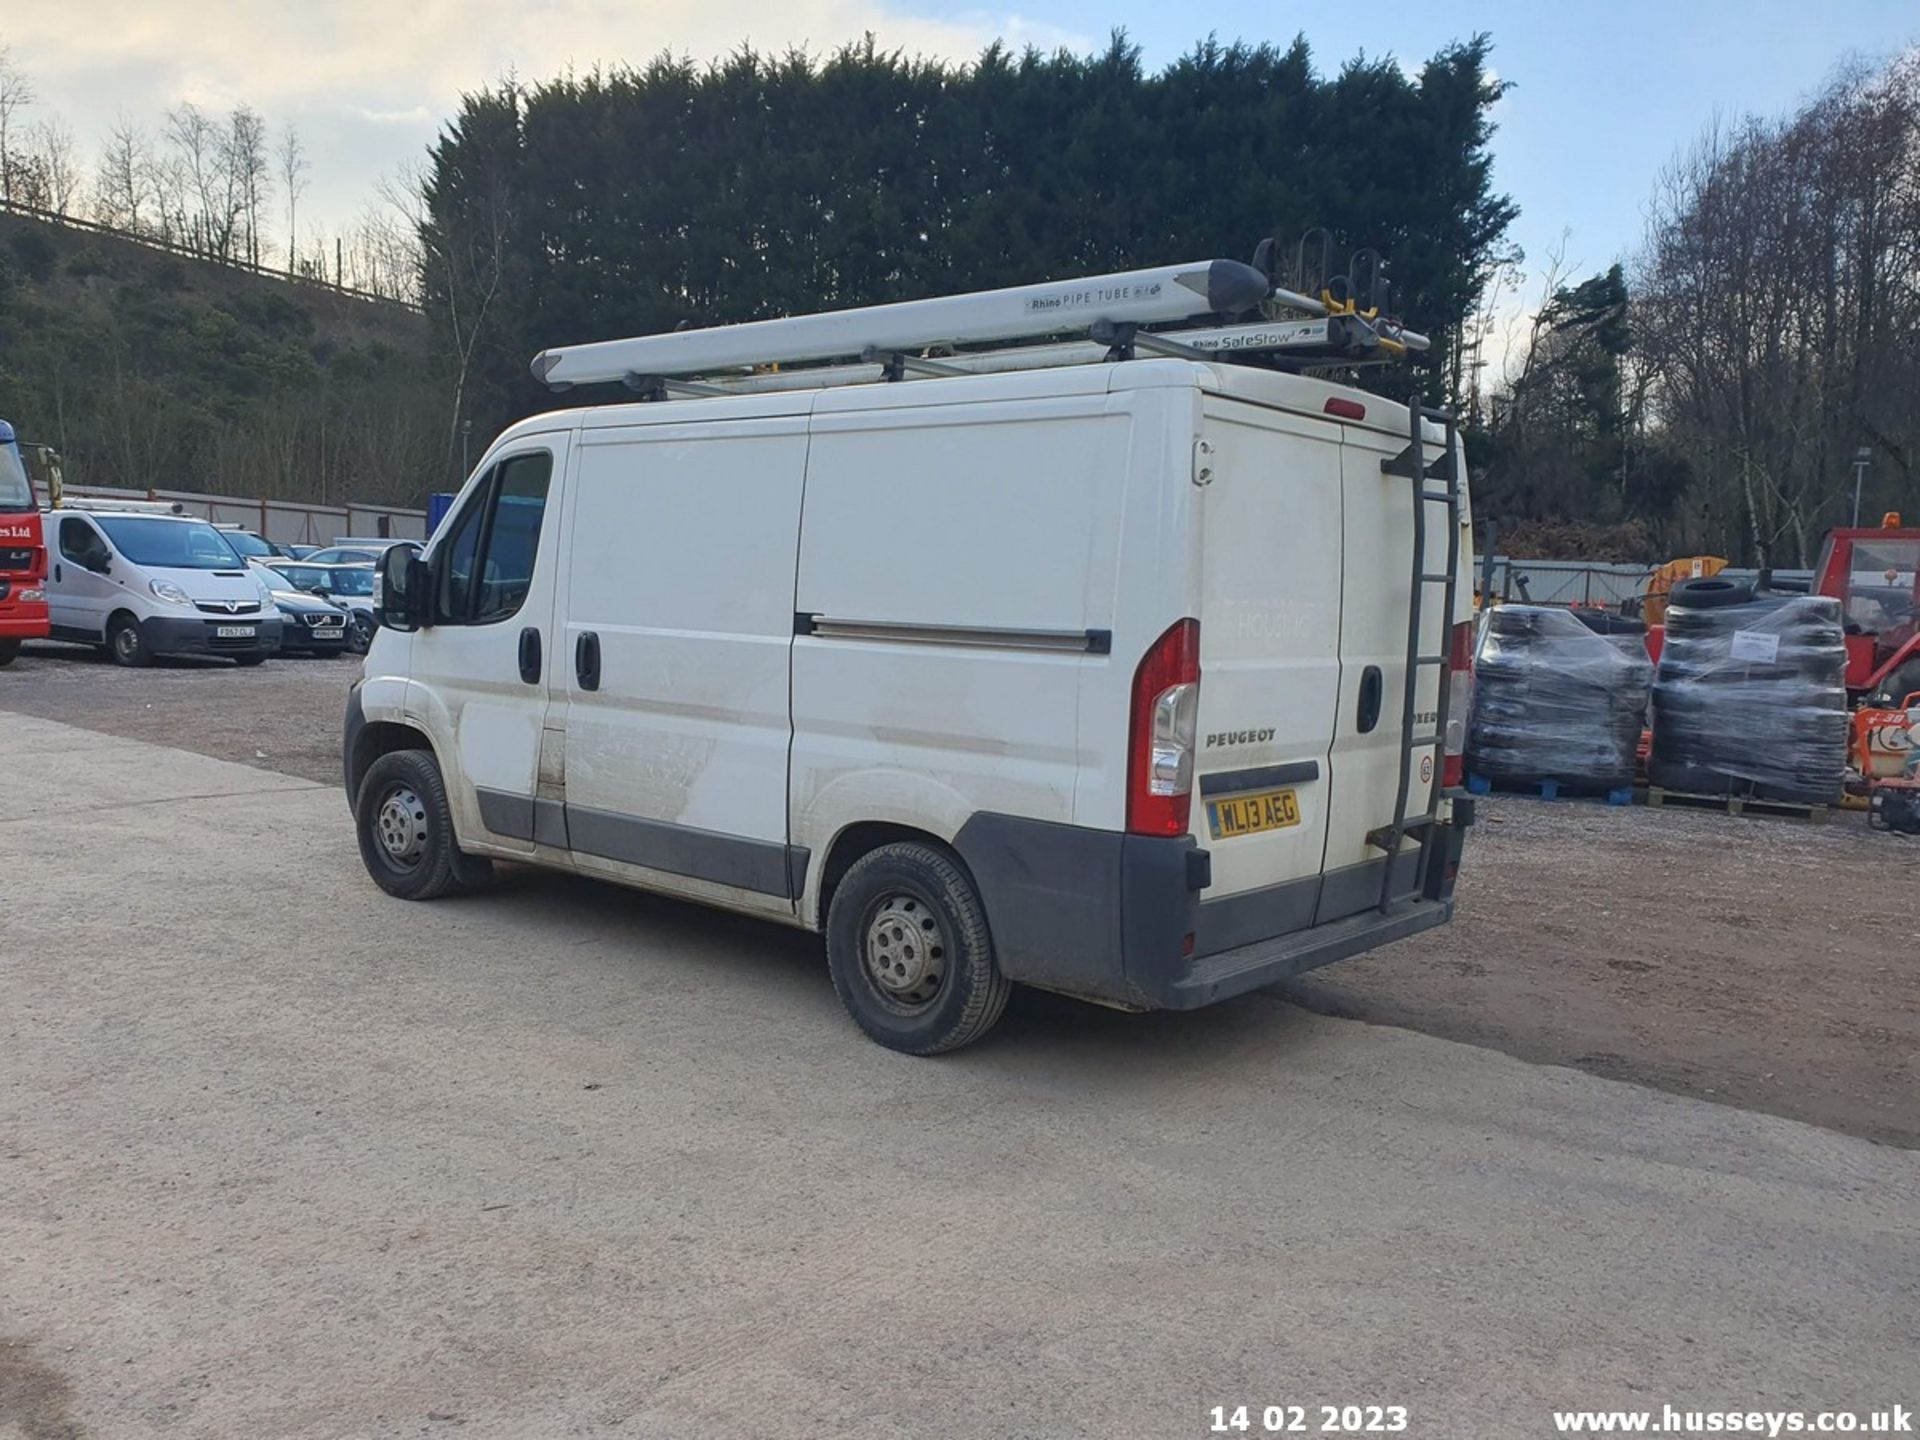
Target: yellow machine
[1693, 567]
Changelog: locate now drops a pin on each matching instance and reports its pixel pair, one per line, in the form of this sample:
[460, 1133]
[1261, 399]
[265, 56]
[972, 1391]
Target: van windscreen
[170, 544]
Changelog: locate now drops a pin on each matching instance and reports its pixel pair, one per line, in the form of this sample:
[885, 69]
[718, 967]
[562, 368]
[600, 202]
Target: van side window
[487, 567]
[79, 541]
[453, 603]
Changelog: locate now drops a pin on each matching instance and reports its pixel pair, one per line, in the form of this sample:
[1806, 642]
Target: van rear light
[1346, 409]
[1459, 703]
[1166, 710]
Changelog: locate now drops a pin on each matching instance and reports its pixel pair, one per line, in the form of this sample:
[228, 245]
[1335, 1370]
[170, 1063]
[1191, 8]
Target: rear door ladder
[1413, 465]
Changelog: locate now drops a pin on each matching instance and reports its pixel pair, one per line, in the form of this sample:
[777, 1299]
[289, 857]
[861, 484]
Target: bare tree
[1781, 310]
[192, 177]
[291, 158]
[49, 151]
[248, 176]
[124, 189]
[16, 93]
[383, 256]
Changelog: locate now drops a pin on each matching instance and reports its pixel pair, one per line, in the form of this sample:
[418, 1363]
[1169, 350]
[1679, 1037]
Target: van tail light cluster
[1459, 702]
[1160, 742]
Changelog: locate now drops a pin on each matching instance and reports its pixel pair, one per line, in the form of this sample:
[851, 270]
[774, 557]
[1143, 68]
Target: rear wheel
[9, 648]
[911, 957]
[405, 827]
[125, 644]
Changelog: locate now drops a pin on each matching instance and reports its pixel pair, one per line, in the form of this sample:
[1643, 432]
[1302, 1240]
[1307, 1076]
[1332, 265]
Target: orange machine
[1885, 741]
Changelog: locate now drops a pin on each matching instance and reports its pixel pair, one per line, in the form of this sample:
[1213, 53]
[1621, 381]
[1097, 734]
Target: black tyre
[249, 660]
[9, 649]
[359, 634]
[405, 829]
[910, 953]
[125, 644]
[1710, 593]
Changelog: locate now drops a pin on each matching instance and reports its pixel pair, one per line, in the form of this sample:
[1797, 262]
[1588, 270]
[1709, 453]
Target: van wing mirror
[403, 588]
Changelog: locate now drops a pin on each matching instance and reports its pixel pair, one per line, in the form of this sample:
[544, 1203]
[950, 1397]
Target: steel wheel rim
[126, 644]
[400, 827]
[905, 950]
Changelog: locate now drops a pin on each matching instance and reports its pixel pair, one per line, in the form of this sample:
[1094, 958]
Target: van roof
[1277, 389]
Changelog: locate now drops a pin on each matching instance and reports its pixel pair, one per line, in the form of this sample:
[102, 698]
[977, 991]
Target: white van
[144, 583]
[1091, 678]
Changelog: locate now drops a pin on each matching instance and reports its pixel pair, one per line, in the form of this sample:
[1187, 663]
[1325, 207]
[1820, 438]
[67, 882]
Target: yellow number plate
[1249, 814]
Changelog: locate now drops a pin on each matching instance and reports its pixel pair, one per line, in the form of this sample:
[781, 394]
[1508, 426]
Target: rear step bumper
[1268, 962]
[1117, 918]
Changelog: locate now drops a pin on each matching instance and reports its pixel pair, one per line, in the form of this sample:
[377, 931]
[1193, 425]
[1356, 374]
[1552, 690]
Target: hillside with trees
[149, 369]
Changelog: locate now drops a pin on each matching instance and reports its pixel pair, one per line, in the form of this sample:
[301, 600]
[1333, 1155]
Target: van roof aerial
[1109, 309]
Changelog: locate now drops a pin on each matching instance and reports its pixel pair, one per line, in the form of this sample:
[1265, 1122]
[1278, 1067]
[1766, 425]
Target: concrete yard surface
[281, 1156]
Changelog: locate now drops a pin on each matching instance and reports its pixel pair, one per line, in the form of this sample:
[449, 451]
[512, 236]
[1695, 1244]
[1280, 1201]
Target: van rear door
[1374, 596]
[1271, 577]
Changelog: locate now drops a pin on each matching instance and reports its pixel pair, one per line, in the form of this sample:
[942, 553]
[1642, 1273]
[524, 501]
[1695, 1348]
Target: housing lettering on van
[1239, 737]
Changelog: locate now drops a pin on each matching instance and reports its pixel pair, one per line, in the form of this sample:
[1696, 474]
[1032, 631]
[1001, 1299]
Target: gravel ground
[1767, 963]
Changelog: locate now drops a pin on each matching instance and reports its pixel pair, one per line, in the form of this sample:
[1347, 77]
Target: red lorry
[23, 553]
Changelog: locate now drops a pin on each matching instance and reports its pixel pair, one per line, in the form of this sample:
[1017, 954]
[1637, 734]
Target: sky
[1604, 92]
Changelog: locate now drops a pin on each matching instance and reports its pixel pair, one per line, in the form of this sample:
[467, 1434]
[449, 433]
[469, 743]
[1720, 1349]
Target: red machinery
[1875, 575]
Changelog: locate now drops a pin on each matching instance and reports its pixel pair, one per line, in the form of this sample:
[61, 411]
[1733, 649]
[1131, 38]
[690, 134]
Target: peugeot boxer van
[1127, 681]
[142, 582]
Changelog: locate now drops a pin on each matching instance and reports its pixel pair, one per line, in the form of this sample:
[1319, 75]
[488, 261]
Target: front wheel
[249, 660]
[359, 634]
[405, 829]
[124, 642]
[911, 957]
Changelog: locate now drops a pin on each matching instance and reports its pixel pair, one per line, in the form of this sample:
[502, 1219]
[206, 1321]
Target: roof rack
[95, 504]
[919, 338]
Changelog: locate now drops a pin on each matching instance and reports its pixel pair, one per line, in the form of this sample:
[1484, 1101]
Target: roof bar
[1304, 342]
[1160, 296]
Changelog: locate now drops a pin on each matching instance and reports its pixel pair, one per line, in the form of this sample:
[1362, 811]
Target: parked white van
[1092, 678]
[142, 582]
[938, 668]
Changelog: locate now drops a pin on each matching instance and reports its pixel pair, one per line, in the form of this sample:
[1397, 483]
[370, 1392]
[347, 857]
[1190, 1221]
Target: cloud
[369, 81]
[429, 51]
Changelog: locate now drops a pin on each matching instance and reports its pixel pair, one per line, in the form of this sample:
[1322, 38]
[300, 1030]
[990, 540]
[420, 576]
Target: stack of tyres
[1558, 695]
[1751, 695]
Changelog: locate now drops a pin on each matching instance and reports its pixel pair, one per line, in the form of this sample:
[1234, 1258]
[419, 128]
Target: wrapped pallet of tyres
[1558, 695]
[1751, 695]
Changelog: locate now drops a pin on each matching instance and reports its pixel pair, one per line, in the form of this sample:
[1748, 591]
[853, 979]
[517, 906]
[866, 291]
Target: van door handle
[56, 574]
[1371, 688]
[586, 660]
[530, 655]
